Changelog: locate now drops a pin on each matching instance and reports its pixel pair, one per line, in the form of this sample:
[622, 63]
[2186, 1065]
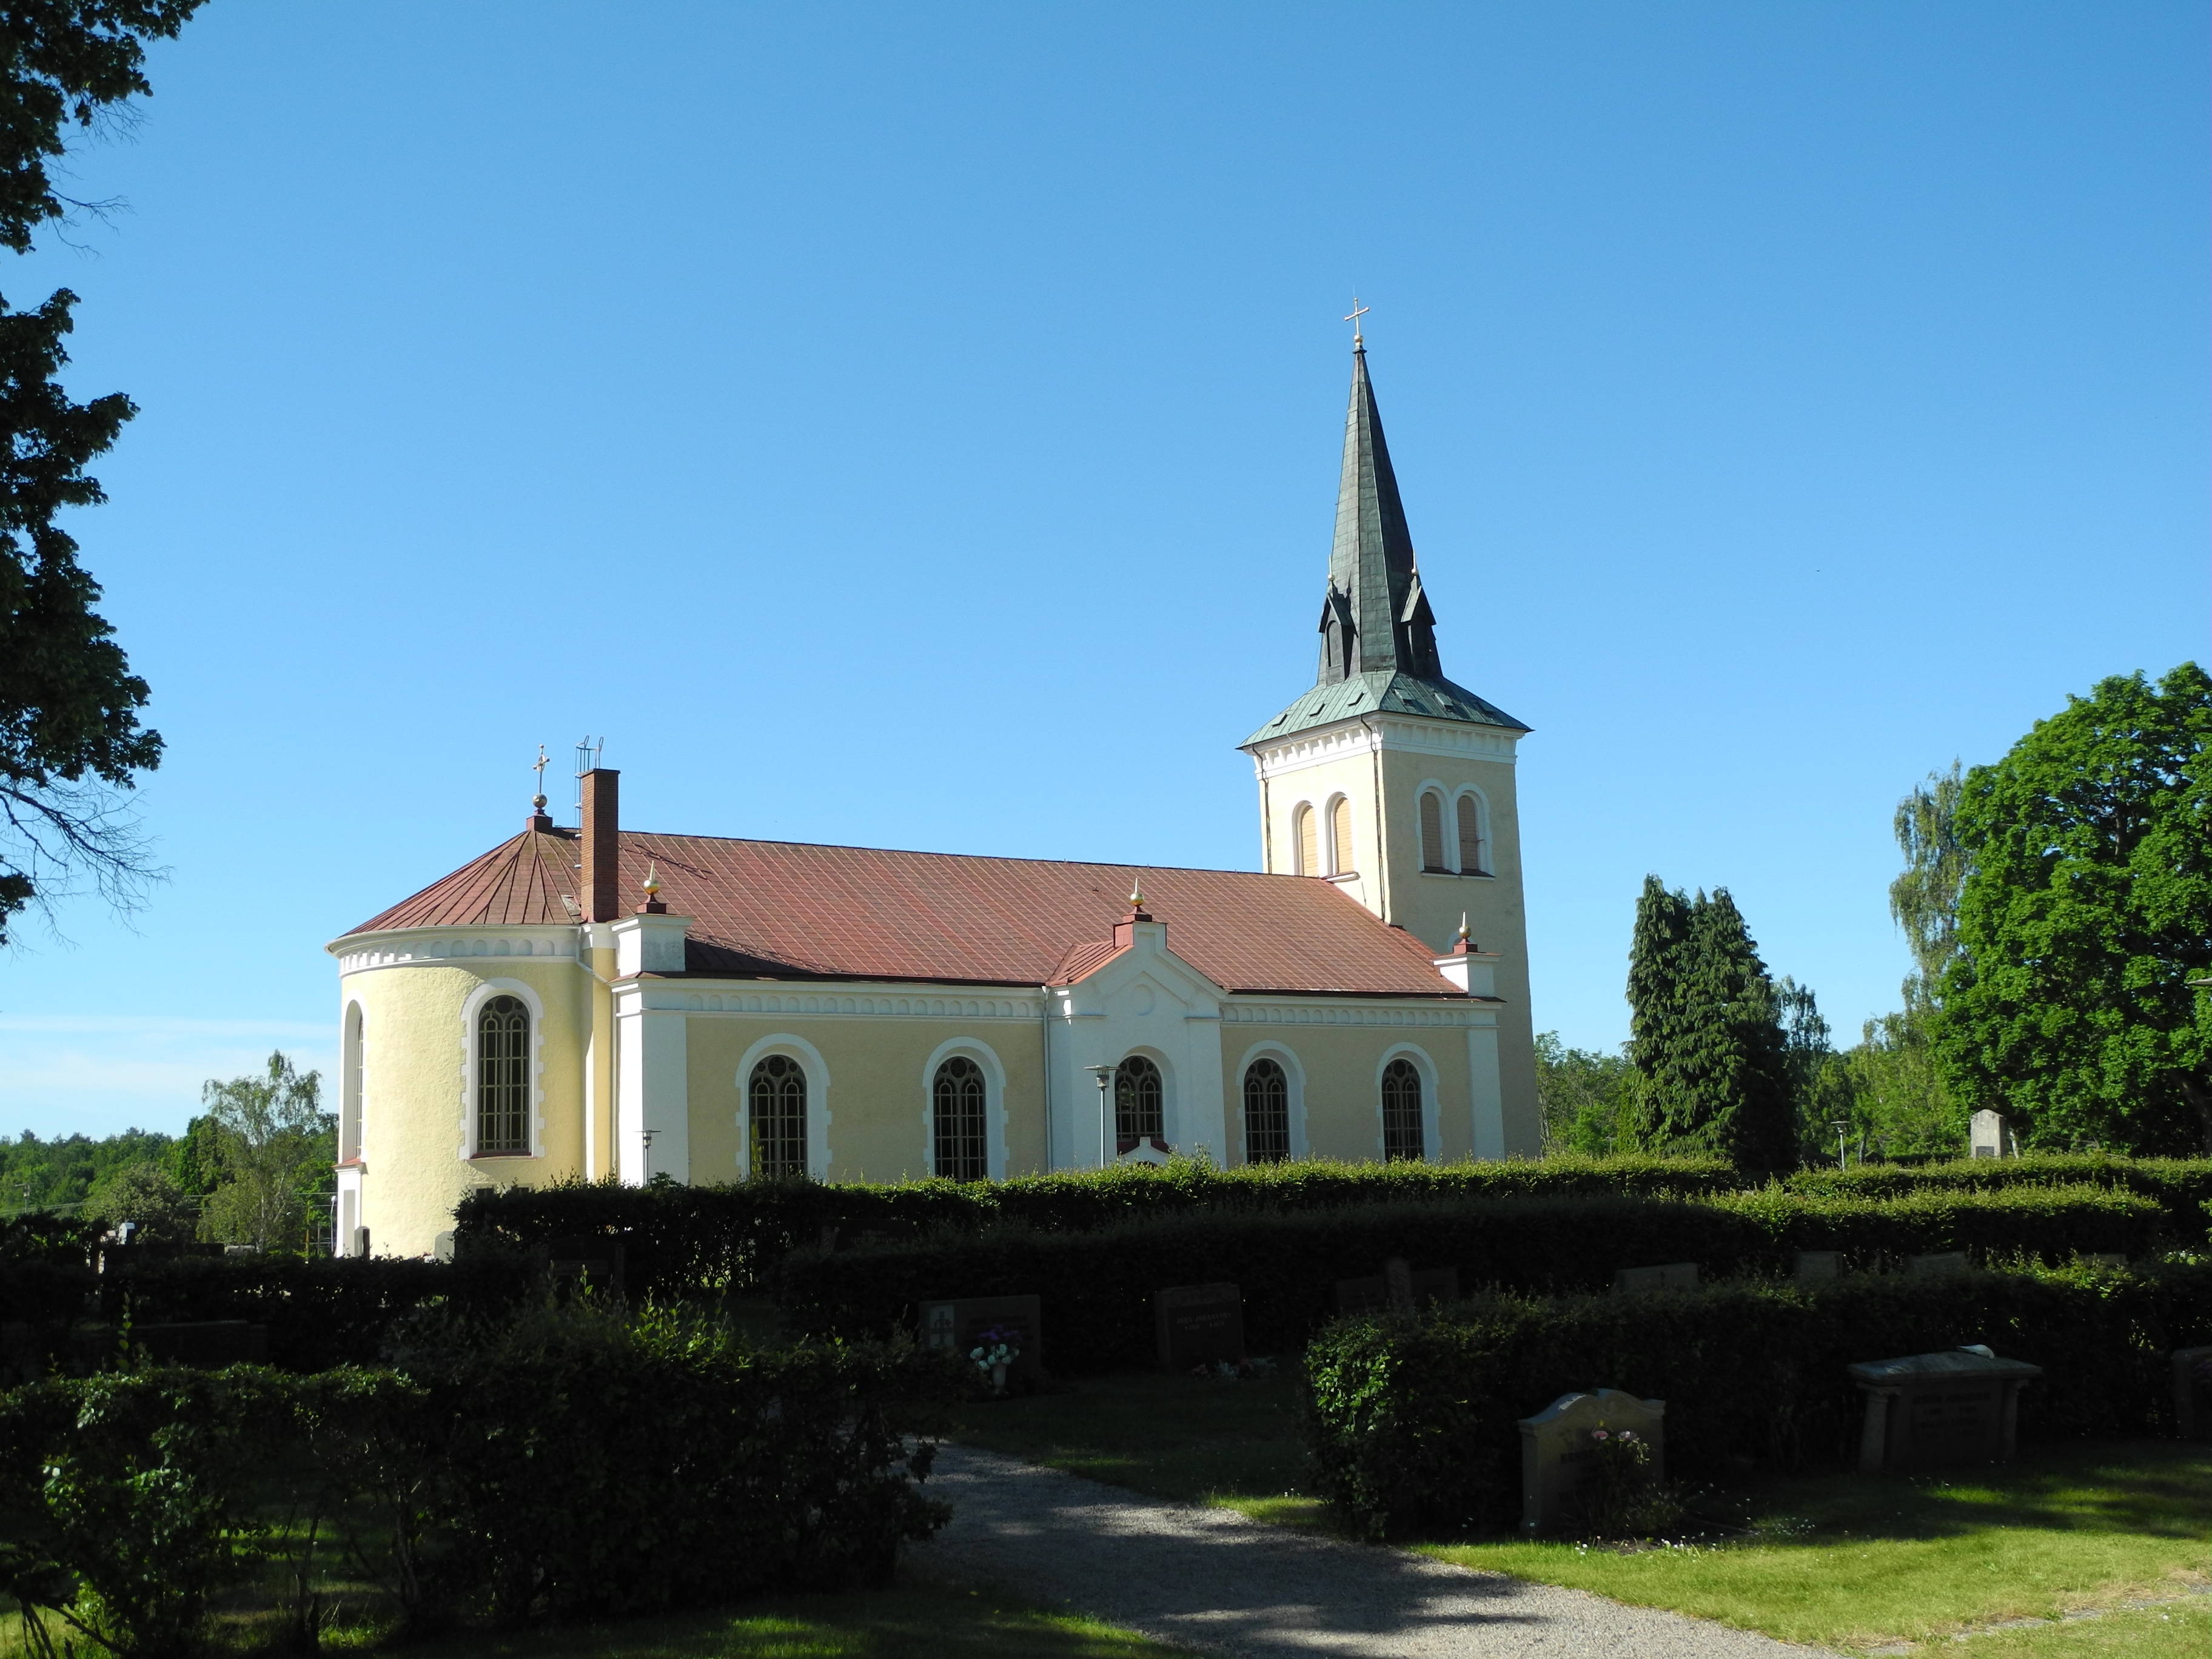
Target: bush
[320, 1312]
[1412, 1420]
[567, 1461]
[678, 1239]
[1097, 1287]
[2180, 1186]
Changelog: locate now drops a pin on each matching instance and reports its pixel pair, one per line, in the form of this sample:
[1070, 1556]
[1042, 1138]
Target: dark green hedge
[320, 1312]
[563, 1463]
[1097, 1287]
[2181, 1186]
[678, 1239]
[1412, 1423]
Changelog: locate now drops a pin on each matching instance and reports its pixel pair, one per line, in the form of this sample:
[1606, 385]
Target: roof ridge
[995, 858]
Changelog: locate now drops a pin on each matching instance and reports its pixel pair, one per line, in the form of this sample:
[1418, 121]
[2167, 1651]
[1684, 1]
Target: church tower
[1390, 781]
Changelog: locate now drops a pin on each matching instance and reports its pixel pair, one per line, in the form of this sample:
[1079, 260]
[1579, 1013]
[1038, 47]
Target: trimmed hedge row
[1412, 1421]
[2181, 1186]
[731, 1236]
[563, 1463]
[1097, 1287]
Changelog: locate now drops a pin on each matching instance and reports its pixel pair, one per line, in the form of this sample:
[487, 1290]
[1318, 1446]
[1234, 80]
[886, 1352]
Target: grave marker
[1400, 1277]
[1672, 1276]
[593, 1258]
[1930, 1409]
[1818, 1266]
[1198, 1325]
[1943, 1261]
[958, 1323]
[1559, 1455]
[1985, 1136]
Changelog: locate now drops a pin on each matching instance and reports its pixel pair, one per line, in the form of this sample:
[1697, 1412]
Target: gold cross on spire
[1357, 312]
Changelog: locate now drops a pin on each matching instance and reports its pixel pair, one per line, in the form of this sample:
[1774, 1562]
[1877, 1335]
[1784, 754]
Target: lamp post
[1104, 1076]
[646, 1135]
[1841, 1161]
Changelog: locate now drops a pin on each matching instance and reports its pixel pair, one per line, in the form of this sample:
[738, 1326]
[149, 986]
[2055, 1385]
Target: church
[602, 1002]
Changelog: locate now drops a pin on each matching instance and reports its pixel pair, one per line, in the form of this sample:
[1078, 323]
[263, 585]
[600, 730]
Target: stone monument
[1987, 1136]
[1931, 1409]
[1198, 1325]
[1672, 1276]
[1560, 1451]
[958, 1324]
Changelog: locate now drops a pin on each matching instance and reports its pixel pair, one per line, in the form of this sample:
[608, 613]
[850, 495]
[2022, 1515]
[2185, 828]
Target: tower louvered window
[1432, 833]
[1474, 845]
[1138, 1115]
[777, 1095]
[1401, 1111]
[1267, 1113]
[1340, 824]
[1308, 842]
[503, 1079]
[961, 1146]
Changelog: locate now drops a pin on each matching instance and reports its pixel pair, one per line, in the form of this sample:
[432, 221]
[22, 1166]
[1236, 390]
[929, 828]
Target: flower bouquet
[994, 1351]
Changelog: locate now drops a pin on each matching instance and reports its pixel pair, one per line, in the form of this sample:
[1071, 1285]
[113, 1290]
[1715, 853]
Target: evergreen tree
[1706, 1038]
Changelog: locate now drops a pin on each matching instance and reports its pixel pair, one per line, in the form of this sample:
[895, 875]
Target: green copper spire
[1378, 645]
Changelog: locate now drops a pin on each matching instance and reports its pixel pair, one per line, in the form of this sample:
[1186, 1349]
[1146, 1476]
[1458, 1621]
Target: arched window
[1401, 1111]
[1432, 833]
[1137, 1112]
[1474, 838]
[778, 1098]
[960, 1144]
[349, 1087]
[1308, 835]
[1267, 1113]
[1340, 827]
[503, 1079]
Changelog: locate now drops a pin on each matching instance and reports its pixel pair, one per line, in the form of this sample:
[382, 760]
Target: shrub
[1097, 1287]
[679, 1239]
[1412, 1420]
[2180, 1186]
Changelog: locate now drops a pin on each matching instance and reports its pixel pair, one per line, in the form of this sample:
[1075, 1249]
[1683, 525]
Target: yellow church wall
[876, 1095]
[1341, 1070]
[413, 1121]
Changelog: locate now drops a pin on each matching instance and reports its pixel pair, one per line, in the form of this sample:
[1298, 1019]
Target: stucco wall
[413, 1115]
[1341, 1070]
[876, 1095]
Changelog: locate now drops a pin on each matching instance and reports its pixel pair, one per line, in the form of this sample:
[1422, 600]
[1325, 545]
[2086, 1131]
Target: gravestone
[1931, 1409]
[2106, 1258]
[1398, 1276]
[1943, 1261]
[441, 1245]
[2192, 1393]
[1818, 1266]
[958, 1324]
[1559, 1454]
[1359, 1295]
[1674, 1276]
[594, 1259]
[212, 1342]
[1985, 1136]
[1198, 1325]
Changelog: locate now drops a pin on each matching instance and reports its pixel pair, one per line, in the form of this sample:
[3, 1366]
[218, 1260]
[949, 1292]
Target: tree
[1897, 1097]
[1923, 900]
[148, 1196]
[274, 1138]
[1580, 1095]
[1705, 1035]
[71, 741]
[2086, 910]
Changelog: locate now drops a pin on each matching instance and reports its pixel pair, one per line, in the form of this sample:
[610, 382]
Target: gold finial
[538, 766]
[1136, 896]
[1462, 924]
[652, 882]
[1357, 312]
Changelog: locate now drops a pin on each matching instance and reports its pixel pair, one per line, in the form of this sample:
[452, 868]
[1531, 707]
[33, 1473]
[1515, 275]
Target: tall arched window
[1474, 838]
[503, 1079]
[1432, 833]
[1308, 838]
[349, 1061]
[1137, 1117]
[960, 1144]
[1340, 828]
[1401, 1111]
[778, 1098]
[1267, 1113]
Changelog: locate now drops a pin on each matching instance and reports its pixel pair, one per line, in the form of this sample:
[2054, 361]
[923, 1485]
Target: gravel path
[1211, 1579]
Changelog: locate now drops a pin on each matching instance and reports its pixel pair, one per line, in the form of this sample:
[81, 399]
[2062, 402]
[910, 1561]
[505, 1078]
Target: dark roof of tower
[1378, 652]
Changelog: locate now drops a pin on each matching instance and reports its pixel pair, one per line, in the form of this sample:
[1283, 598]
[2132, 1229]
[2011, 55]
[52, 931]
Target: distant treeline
[63, 1173]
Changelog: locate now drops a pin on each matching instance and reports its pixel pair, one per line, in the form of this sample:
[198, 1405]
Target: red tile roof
[785, 910]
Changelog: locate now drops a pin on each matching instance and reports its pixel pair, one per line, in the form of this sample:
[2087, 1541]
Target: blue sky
[918, 427]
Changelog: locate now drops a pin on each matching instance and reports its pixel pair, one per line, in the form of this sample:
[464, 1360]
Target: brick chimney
[602, 839]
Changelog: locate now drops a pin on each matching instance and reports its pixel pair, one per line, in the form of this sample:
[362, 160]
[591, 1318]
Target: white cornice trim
[1245, 1011]
[401, 947]
[1408, 733]
[842, 1002]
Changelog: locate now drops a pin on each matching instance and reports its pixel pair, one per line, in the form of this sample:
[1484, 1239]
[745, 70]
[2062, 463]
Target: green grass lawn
[1840, 1559]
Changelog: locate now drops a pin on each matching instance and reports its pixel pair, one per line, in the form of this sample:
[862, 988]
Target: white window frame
[1466, 793]
[816, 1073]
[1431, 1102]
[994, 1101]
[1294, 1073]
[353, 1033]
[473, 1006]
